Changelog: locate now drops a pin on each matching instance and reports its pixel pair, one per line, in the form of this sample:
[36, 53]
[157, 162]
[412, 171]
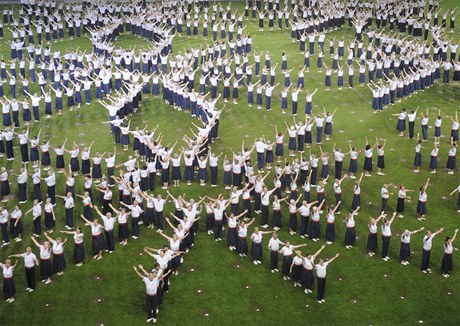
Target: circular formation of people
[400, 49]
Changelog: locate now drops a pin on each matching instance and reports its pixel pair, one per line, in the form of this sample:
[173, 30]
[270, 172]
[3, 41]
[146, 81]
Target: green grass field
[361, 290]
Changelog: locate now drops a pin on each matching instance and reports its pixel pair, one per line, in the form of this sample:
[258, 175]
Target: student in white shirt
[69, 204]
[152, 283]
[9, 288]
[287, 251]
[446, 265]
[79, 250]
[97, 238]
[57, 247]
[386, 236]
[321, 277]
[404, 252]
[30, 261]
[109, 222]
[256, 247]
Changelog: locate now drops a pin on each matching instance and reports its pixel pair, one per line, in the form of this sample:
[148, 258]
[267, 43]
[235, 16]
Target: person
[446, 265]
[98, 242]
[30, 261]
[242, 243]
[152, 283]
[350, 233]
[404, 251]
[16, 227]
[296, 268]
[58, 254]
[427, 245]
[372, 237]
[109, 221]
[46, 269]
[69, 205]
[273, 247]
[422, 198]
[9, 288]
[256, 247]
[418, 155]
[306, 278]
[330, 228]
[174, 244]
[123, 229]
[368, 153]
[321, 268]
[451, 158]
[287, 251]
[78, 249]
[386, 236]
[315, 224]
[36, 218]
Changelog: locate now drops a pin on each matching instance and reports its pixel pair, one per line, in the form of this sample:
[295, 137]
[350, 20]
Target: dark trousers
[213, 175]
[257, 201]
[303, 225]
[159, 220]
[384, 204]
[135, 222]
[38, 225]
[385, 246]
[411, 129]
[218, 229]
[264, 215]
[52, 194]
[321, 288]
[151, 306]
[425, 260]
[30, 277]
[22, 187]
[5, 236]
[109, 240]
[69, 217]
[38, 192]
[273, 260]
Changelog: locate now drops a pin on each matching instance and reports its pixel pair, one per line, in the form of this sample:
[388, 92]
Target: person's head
[28, 249]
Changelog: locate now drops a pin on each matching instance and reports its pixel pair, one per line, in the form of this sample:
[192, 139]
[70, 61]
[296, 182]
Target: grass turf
[360, 290]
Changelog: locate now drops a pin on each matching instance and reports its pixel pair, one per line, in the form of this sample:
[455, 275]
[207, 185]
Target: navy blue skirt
[279, 150]
[418, 159]
[401, 125]
[381, 162]
[176, 175]
[368, 164]
[292, 144]
[60, 161]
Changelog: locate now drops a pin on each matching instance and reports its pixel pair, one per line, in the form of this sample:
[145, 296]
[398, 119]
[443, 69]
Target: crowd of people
[392, 65]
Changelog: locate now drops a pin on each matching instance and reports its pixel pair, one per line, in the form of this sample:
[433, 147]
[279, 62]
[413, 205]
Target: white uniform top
[58, 248]
[256, 238]
[29, 259]
[287, 250]
[78, 237]
[321, 270]
[427, 242]
[448, 249]
[274, 244]
[7, 271]
[108, 223]
[386, 230]
[151, 286]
